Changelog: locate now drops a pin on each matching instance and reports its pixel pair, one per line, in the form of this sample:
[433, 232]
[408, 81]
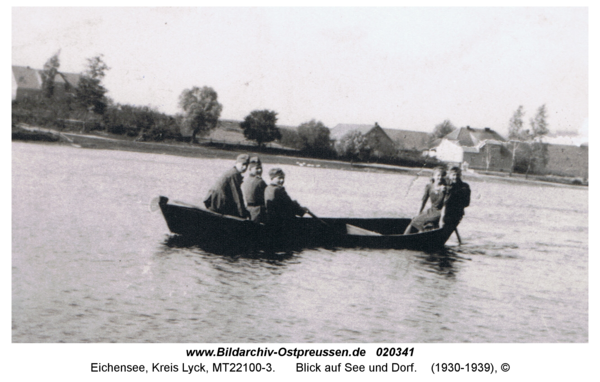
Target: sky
[405, 68]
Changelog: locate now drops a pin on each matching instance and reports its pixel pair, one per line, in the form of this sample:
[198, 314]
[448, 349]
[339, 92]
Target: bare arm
[443, 213]
[425, 198]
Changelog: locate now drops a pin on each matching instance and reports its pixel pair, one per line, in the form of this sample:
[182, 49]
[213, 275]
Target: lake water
[90, 261]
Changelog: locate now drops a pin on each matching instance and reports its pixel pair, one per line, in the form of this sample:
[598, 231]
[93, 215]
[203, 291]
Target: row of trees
[202, 111]
[89, 93]
[87, 105]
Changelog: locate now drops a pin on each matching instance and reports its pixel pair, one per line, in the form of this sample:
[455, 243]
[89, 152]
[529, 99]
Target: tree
[515, 126]
[202, 110]
[48, 73]
[535, 154]
[314, 137]
[353, 145]
[90, 91]
[291, 138]
[260, 126]
[516, 133]
[539, 126]
[442, 129]
[539, 129]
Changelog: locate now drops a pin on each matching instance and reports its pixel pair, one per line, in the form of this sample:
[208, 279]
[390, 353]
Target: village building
[482, 149]
[568, 160]
[27, 82]
[406, 140]
[381, 144]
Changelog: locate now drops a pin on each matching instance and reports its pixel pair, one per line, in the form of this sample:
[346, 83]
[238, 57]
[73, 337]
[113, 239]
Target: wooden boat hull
[234, 234]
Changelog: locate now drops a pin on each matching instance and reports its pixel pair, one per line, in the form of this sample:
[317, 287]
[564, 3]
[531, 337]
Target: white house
[477, 148]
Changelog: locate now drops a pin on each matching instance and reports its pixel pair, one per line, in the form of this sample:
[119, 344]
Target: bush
[141, 122]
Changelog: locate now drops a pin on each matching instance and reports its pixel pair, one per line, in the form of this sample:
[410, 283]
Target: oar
[351, 229]
[457, 236]
[316, 217]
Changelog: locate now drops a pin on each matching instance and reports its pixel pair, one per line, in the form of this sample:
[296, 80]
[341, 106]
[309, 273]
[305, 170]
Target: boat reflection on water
[184, 242]
[442, 261]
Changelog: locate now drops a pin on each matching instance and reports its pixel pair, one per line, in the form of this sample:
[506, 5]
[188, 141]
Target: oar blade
[354, 230]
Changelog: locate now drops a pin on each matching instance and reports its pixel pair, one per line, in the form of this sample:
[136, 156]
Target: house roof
[469, 136]
[342, 129]
[71, 78]
[27, 78]
[409, 140]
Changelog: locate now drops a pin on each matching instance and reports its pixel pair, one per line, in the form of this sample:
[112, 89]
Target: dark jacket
[280, 207]
[254, 194]
[226, 197]
[458, 197]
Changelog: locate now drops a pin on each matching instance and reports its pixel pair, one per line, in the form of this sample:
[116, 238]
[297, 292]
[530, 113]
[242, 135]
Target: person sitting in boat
[435, 191]
[280, 208]
[226, 197]
[254, 191]
[458, 197]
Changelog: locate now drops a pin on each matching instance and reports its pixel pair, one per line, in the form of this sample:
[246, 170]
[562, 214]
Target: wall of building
[490, 158]
[564, 160]
[380, 143]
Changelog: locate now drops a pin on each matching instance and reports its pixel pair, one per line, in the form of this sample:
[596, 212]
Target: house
[568, 160]
[406, 140]
[27, 82]
[380, 143]
[482, 149]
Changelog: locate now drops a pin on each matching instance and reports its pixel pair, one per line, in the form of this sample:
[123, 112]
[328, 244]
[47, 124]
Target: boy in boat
[226, 197]
[458, 197]
[254, 191]
[281, 211]
[280, 207]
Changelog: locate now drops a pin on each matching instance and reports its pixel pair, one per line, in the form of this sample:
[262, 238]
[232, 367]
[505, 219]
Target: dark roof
[469, 136]
[27, 78]
[342, 129]
[71, 78]
[409, 140]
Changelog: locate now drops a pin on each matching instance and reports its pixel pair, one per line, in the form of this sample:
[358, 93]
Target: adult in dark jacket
[226, 197]
[458, 197]
[254, 191]
[435, 191]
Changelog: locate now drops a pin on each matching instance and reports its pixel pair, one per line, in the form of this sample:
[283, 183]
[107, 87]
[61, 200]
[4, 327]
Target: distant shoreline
[93, 141]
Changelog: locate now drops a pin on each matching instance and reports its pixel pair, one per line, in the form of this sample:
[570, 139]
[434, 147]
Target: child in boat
[254, 191]
[226, 197]
[435, 192]
[281, 209]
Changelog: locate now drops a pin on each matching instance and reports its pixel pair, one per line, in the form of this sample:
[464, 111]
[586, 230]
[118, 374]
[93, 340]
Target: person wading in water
[458, 197]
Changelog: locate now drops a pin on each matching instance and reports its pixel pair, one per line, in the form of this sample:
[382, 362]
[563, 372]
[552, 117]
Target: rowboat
[231, 233]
